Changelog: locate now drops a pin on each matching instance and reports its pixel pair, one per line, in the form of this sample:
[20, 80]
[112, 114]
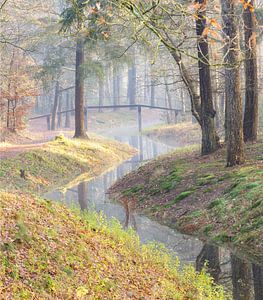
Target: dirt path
[13, 150]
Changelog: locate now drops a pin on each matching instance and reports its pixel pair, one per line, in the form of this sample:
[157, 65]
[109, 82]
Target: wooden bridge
[138, 107]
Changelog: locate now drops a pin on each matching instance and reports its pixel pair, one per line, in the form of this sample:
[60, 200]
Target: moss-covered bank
[200, 196]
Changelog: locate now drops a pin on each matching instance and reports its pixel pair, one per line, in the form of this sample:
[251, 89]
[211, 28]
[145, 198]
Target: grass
[204, 198]
[186, 132]
[51, 252]
[61, 161]
[48, 251]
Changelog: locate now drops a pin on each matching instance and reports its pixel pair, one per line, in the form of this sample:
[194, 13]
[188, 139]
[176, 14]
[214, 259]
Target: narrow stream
[93, 195]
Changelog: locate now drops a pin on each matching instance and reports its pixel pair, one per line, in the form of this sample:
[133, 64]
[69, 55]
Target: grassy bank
[48, 251]
[200, 196]
[177, 134]
[51, 252]
[61, 161]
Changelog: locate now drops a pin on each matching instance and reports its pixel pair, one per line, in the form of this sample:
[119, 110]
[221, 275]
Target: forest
[131, 149]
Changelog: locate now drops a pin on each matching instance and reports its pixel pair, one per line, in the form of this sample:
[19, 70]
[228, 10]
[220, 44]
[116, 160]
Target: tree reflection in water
[241, 279]
[258, 281]
[83, 195]
[129, 206]
[209, 255]
[245, 280]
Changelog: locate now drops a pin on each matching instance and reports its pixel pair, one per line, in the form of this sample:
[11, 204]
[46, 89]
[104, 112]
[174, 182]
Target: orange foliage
[17, 91]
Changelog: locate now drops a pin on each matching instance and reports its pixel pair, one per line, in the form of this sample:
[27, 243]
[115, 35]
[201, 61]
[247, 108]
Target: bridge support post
[48, 123]
[139, 117]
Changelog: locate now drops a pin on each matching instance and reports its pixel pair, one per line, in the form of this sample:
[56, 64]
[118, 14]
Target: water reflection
[82, 195]
[242, 278]
[210, 255]
[239, 276]
[258, 281]
[93, 195]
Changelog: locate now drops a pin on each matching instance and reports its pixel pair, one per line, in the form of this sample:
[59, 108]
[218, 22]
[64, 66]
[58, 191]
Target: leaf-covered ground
[50, 252]
[200, 196]
[60, 161]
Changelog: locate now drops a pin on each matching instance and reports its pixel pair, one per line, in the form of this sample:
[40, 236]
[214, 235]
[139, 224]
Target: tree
[17, 89]
[80, 131]
[159, 18]
[234, 127]
[88, 22]
[210, 140]
[251, 96]
[132, 80]
[55, 107]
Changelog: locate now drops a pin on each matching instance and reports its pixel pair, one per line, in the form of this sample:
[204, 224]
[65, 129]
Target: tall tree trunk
[152, 92]
[55, 107]
[182, 100]
[190, 86]
[67, 119]
[145, 89]
[234, 128]
[132, 85]
[152, 88]
[101, 93]
[241, 279]
[251, 99]
[210, 140]
[258, 281]
[116, 87]
[172, 115]
[80, 131]
[59, 111]
[107, 86]
[8, 114]
[132, 74]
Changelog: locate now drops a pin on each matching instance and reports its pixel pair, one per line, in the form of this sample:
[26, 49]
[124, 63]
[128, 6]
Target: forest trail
[9, 151]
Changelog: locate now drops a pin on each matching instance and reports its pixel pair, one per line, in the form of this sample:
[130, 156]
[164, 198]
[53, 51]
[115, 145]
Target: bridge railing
[139, 108]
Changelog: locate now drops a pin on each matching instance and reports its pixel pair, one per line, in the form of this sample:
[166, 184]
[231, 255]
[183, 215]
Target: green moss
[179, 198]
[195, 214]
[170, 182]
[134, 190]
[222, 238]
[216, 203]
[208, 228]
[206, 179]
[252, 185]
